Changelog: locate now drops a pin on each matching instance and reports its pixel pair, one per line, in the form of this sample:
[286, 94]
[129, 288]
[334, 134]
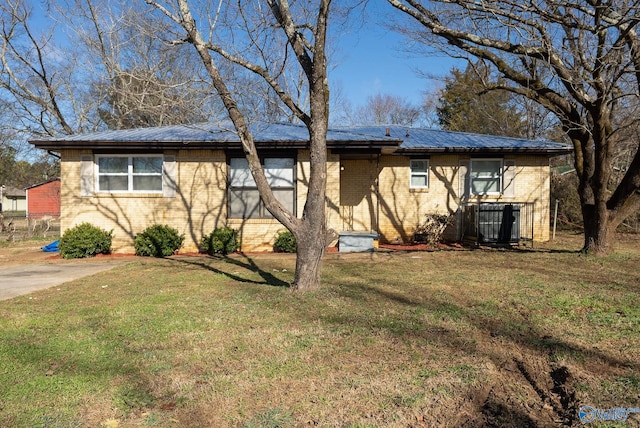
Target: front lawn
[448, 338]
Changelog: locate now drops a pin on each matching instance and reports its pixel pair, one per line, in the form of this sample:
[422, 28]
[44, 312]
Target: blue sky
[371, 60]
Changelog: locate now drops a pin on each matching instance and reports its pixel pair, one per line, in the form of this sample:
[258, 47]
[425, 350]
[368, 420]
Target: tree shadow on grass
[241, 261]
[518, 330]
[523, 353]
[497, 247]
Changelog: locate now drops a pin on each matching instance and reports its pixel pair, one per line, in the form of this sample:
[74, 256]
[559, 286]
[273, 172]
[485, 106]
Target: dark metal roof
[421, 140]
[209, 135]
[399, 139]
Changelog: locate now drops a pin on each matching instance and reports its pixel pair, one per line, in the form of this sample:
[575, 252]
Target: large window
[486, 176]
[130, 173]
[244, 199]
[419, 173]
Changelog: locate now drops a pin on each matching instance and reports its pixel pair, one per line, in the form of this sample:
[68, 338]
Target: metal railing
[498, 223]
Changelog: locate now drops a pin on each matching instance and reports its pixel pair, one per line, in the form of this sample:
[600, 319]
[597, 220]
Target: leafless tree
[271, 40]
[382, 109]
[135, 79]
[429, 106]
[578, 59]
[388, 109]
[84, 65]
[33, 78]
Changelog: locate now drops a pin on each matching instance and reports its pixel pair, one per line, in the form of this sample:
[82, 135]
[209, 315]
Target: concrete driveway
[24, 279]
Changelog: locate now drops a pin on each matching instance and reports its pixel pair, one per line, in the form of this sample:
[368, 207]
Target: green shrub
[85, 240]
[223, 240]
[285, 242]
[158, 241]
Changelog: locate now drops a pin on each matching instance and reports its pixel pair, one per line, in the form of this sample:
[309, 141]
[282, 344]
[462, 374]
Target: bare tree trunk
[597, 230]
[312, 241]
[310, 229]
[311, 247]
[584, 70]
[594, 182]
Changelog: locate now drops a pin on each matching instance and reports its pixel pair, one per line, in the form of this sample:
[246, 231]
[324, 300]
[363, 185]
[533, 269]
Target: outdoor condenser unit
[498, 223]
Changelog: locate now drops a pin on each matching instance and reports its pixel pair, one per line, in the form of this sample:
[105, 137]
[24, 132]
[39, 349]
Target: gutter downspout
[55, 155]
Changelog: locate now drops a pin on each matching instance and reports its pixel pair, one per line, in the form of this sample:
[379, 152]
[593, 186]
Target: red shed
[44, 200]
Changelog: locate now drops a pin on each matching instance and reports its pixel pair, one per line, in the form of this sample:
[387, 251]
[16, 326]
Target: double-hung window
[244, 198]
[486, 176]
[142, 174]
[419, 173]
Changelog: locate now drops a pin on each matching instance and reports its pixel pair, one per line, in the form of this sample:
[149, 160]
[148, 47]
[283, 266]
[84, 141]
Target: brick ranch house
[380, 179]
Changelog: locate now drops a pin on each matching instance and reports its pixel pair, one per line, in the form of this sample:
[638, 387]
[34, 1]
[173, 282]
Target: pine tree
[468, 104]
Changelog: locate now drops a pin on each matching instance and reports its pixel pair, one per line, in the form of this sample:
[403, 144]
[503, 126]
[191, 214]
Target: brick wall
[401, 209]
[352, 201]
[198, 208]
[199, 205]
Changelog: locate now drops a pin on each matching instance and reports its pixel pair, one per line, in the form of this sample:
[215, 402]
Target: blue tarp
[51, 248]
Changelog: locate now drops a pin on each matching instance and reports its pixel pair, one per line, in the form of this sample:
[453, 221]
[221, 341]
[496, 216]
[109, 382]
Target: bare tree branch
[259, 42]
[578, 59]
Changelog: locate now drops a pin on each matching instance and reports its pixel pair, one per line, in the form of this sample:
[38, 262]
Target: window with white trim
[129, 173]
[419, 173]
[244, 198]
[486, 176]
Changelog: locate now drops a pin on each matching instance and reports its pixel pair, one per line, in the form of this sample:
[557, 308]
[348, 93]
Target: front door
[358, 201]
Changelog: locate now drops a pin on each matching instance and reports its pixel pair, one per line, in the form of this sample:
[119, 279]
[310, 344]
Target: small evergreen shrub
[85, 240]
[158, 241]
[223, 240]
[285, 242]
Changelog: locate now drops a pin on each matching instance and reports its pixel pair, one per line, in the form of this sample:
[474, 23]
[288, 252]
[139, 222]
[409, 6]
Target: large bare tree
[83, 65]
[579, 59]
[33, 79]
[132, 78]
[271, 40]
[386, 109]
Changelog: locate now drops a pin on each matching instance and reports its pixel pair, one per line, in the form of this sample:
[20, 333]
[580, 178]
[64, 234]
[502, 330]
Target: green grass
[390, 340]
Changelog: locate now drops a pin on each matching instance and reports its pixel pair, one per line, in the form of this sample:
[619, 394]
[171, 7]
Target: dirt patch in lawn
[25, 252]
[30, 252]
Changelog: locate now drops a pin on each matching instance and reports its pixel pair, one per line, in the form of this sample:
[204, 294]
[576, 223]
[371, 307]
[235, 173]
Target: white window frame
[129, 174]
[472, 176]
[413, 173]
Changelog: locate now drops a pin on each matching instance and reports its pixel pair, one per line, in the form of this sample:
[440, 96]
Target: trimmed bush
[285, 242]
[158, 241]
[85, 240]
[223, 240]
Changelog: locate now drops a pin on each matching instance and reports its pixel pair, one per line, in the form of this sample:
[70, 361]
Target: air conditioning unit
[498, 223]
